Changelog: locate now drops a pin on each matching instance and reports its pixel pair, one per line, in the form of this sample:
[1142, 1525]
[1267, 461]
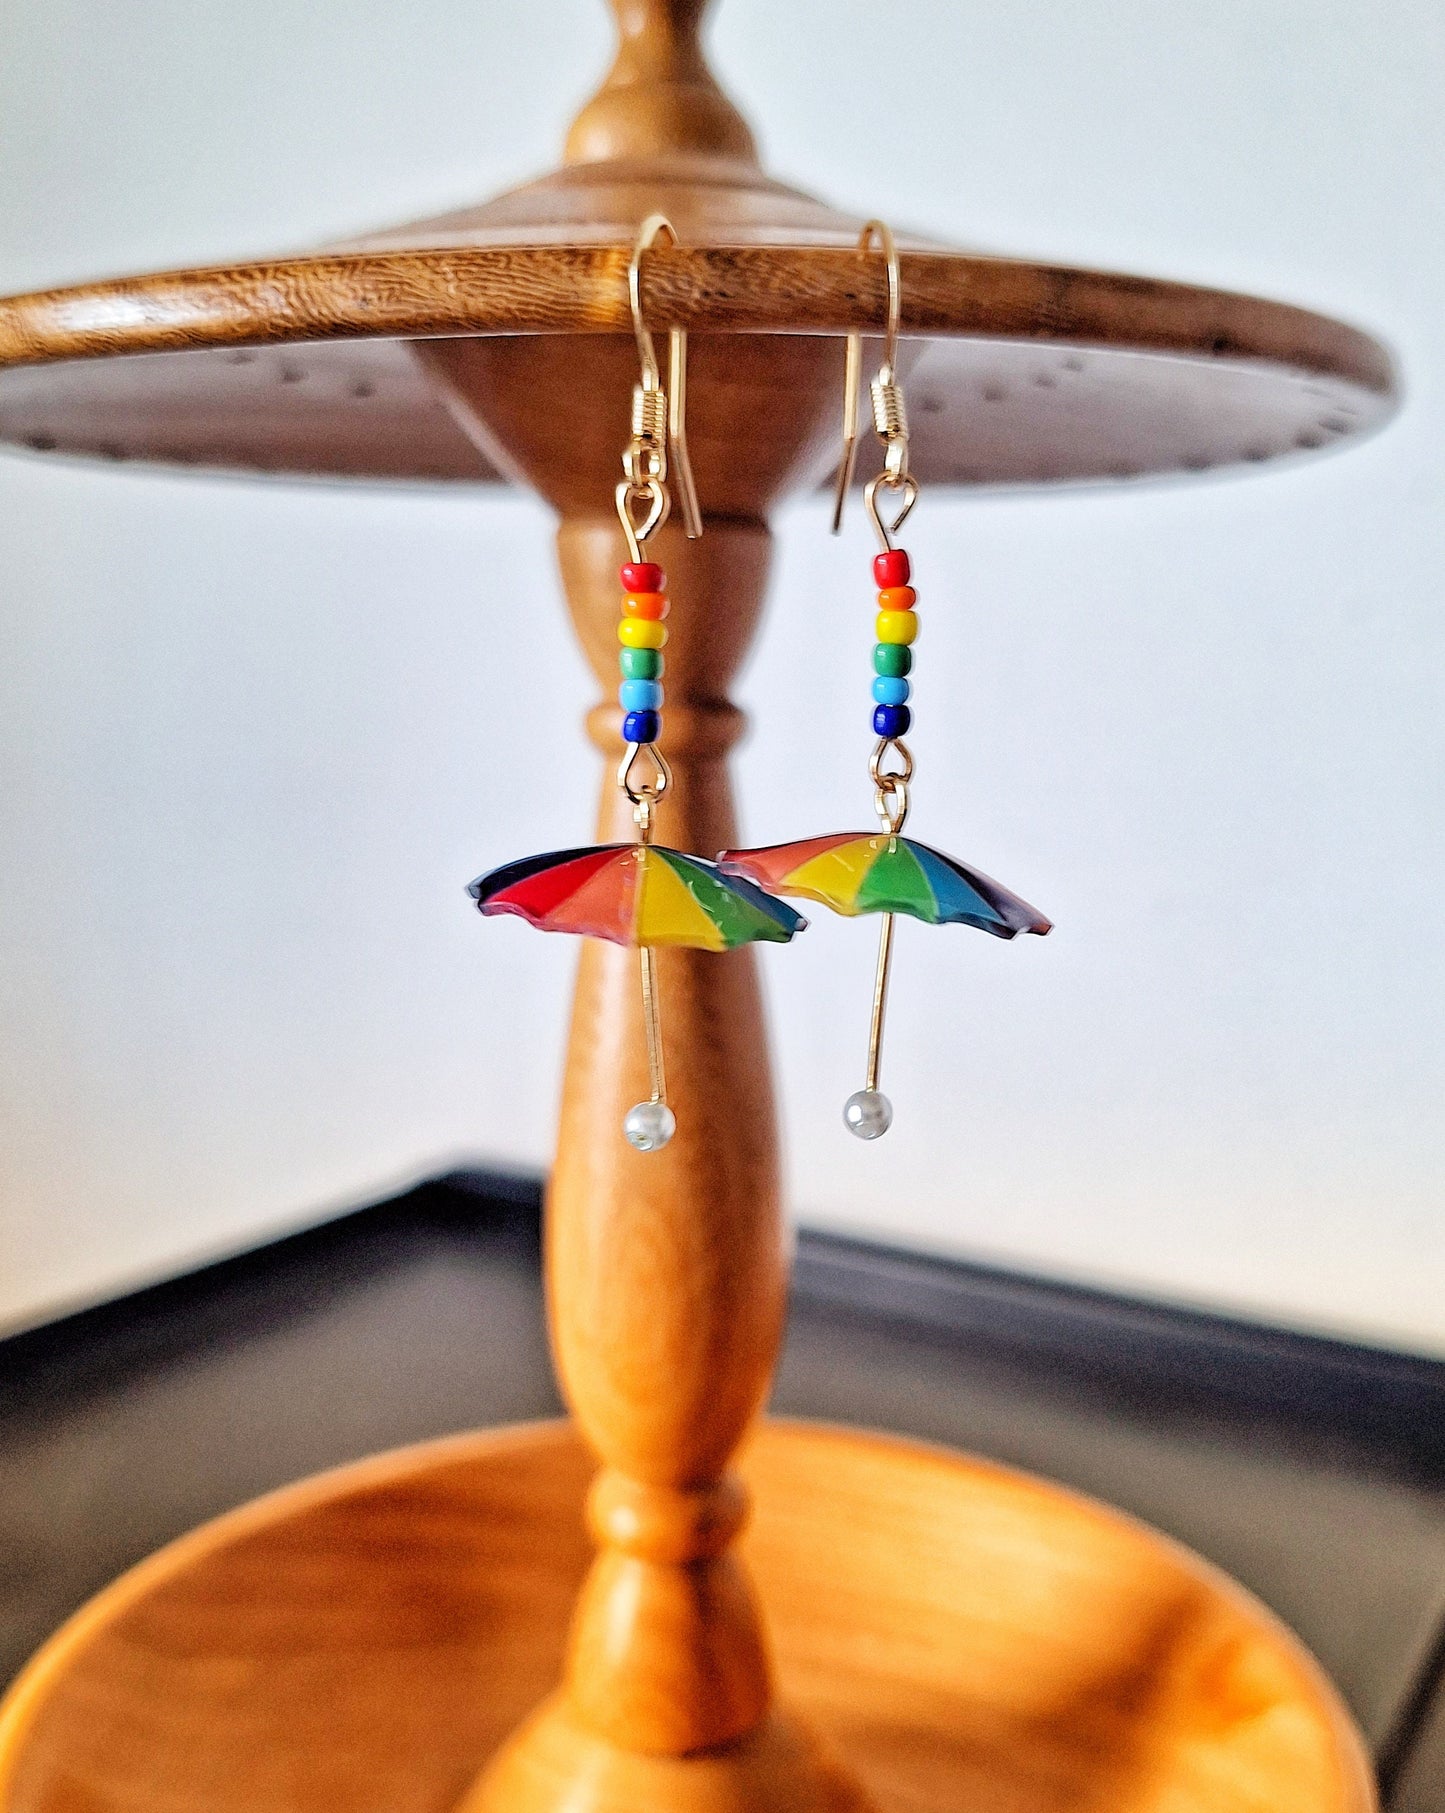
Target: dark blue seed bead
[891, 720]
[642, 727]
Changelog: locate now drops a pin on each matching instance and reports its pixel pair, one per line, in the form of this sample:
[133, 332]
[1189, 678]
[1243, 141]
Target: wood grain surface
[960, 1636]
[985, 412]
[1018, 373]
[1023, 372]
[1132, 1680]
[667, 1271]
[1312, 1472]
[570, 289]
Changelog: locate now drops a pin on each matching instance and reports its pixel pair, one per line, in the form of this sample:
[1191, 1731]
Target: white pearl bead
[649, 1126]
[868, 1114]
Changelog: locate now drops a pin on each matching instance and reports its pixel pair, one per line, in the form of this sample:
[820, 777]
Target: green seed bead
[893, 659]
[640, 663]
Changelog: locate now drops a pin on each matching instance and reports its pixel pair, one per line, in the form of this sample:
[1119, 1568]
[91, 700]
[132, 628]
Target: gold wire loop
[882, 749]
[650, 492]
[891, 805]
[890, 419]
[659, 415]
[890, 784]
[888, 481]
[644, 791]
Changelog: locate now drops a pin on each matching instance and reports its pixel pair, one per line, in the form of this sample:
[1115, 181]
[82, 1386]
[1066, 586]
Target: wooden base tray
[965, 1637]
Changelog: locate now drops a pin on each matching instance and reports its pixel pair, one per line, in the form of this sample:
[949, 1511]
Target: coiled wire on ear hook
[890, 414]
[659, 414]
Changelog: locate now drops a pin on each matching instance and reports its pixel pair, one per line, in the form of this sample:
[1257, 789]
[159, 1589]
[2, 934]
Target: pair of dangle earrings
[646, 895]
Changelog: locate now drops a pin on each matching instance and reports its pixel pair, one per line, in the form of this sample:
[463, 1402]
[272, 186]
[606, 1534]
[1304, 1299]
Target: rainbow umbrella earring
[643, 894]
[884, 872]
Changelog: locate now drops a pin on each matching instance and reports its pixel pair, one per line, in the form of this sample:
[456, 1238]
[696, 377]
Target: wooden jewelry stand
[961, 1637]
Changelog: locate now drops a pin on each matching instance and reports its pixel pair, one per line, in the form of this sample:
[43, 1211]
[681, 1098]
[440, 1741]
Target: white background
[247, 731]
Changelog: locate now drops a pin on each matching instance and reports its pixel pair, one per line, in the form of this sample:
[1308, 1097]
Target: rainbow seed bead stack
[642, 634]
[897, 631]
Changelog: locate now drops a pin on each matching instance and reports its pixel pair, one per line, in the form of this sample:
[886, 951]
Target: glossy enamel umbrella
[855, 872]
[647, 896]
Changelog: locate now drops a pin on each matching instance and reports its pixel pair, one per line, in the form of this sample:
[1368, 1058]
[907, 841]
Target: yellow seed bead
[898, 626]
[641, 632]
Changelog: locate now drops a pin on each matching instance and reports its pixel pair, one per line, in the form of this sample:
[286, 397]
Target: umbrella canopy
[639, 894]
[855, 872]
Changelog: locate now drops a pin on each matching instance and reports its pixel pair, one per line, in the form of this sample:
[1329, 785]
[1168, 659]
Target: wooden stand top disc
[1016, 372]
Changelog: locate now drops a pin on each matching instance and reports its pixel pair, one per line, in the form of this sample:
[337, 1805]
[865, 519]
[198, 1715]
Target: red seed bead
[897, 598]
[652, 605]
[643, 576]
[891, 569]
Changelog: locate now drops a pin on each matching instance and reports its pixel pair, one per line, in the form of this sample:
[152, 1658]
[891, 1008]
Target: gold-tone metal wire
[852, 378]
[659, 414]
[890, 416]
[659, 423]
[890, 800]
[652, 1021]
[891, 766]
[644, 790]
[891, 805]
[890, 412]
[880, 1002]
[653, 494]
[890, 785]
[644, 794]
[677, 432]
[649, 418]
[907, 485]
[643, 499]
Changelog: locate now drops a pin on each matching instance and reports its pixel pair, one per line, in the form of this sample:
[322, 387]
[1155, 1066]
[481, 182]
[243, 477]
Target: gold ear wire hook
[659, 416]
[852, 374]
[888, 415]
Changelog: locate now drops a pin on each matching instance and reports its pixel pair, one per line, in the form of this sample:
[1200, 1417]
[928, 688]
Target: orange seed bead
[897, 598]
[651, 605]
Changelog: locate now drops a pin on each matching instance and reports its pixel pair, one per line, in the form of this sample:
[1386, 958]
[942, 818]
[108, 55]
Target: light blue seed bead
[640, 695]
[888, 691]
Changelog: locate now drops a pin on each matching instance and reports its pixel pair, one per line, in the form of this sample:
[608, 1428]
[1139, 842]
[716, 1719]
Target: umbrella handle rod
[652, 1022]
[880, 1000]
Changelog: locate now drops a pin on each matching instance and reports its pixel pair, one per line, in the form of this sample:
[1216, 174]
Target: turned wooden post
[666, 1278]
[666, 1270]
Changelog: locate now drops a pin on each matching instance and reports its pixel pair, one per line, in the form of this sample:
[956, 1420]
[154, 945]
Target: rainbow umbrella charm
[647, 896]
[638, 894]
[857, 872]
[872, 872]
